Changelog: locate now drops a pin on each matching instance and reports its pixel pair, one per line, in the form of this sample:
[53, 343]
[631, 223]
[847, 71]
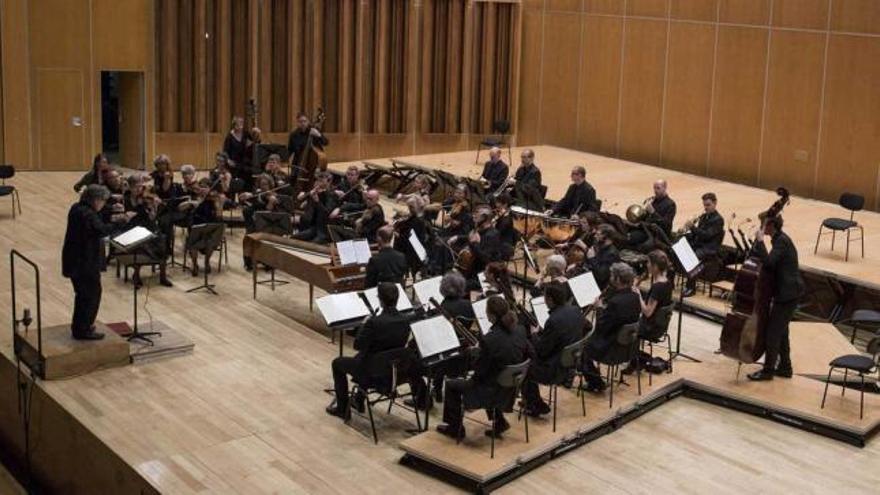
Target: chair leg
[372, 422]
[526, 425]
[583, 396]
[843, 389]
[611, 385]
[827, 381]
[669, 349]
[862, 398]
[852, 340]
[818, 236]
[651, 353]
[833, 237]
[861, 233]
[846, 255]
[492, 453]
[554, 396]
[639, 374]
[479, 148]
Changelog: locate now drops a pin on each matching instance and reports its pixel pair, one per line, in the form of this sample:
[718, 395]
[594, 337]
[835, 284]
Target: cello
[743, 336]
[312, 159]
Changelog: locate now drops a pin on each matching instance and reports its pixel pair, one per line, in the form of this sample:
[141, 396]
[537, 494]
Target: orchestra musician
[459, 220]
[553, 274]
[485, 243]
[527, 183]
[161, 165]
[705, 235]
[619, 306]
[274, 170]
[495, 171]
[248, 169]
[780, 265]
[420, 187]
[115, 184]
[190, 183]
[564, 327]
[349, 193]
[580, 196]
[387, 330]
[373, 217]
[320, 201]
[147, 215]
[602, 255]
[388, 264]
[411, 222]
[504, 224]
[81, 257]
[659, 295]
[209, 209]
[299, 138]
[262, 199]
[661, 208]
[505, 344]
[100, 166]
[235, 147]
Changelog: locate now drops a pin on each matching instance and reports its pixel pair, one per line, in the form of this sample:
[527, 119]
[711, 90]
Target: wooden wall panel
[849, 150]
[696, 10]
[809, 14]
[564, 5]
[649, 8]
[737, 104]
[688, 97]
[644, 62]
[791, 123]
[122, 35]
[745, 11]
[16, 85]
[614, 7]
[531, 66]
[856, 16]
[559, 84]
[599, 96]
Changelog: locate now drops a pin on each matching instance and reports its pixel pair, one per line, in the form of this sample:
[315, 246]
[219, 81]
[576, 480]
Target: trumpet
[688, 226]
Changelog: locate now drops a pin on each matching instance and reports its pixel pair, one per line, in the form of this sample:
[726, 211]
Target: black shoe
[164, 282]
[537, 410]
[137, 282]
[500, 428]
[335, 410]
[783, 372]
[358, 402]
[456, 432]
[93, 335]
[688, 292]
[594, 387]
[422, 405]
[629, 370]
[761, 375]
[438, 394]
[569, 379]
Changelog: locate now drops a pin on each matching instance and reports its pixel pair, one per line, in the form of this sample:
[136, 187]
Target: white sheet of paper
[542, 312]
[480, 312]
[426, 289]
[417, 246]
[686, 255]
[403, 302]
[342, 307]
[132, 236]
[434, 335]
[481, 277]
[362, 251]
[585, 289]
[347, 254]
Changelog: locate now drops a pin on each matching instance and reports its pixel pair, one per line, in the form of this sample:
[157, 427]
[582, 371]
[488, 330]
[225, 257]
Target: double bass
[743, 336]
[312, 159]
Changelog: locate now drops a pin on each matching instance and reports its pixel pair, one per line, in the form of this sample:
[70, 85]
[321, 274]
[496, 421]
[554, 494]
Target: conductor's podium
[64, 357]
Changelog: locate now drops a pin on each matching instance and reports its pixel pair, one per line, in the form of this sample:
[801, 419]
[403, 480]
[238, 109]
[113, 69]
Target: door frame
[99, 126]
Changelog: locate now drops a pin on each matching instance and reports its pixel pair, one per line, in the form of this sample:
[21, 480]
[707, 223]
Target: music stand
[128, 242]
[691, 266]
[275, 223]
[205, 238]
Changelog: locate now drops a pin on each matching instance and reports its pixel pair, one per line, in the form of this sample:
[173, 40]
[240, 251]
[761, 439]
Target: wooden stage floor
[244, 412]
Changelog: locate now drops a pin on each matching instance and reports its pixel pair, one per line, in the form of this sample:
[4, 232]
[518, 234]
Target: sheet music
[132, 237]
[426, 289]
[403, 302]
[481, 277]
[585, 289]
[434, 335]
[686, 255]
[347, 254]
[342, 307]
[542, 312]
[417, 246]
[480, 312]
[362, 251]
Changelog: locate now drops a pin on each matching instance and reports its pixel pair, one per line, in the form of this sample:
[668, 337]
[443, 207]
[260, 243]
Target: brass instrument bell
[636, 213]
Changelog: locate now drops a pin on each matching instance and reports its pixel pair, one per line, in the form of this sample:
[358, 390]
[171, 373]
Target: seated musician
[115, 184]
[705, 235]
[565, 326]
[388, 264]
[262, 199]
[297, 141]
[274, 170]
[458, 219]
[161, 167]
[553, 274]
[412, 222]
[602, 255]
[616, 308]
[385, 331]
[146, 215]
[209, 209]
[190, 182]
[661, 208]
[504, 224]
[659, 295]
[221, 166]
[485, 243]
[495, 171]
[527, 183]
[134, 193]
[349, 193]
[95, 175]
[505, 344]
[373, 218]
[319, 202]
[579, 197]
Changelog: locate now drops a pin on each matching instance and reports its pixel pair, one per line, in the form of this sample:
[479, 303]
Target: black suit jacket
[578, 198]
[495, 173]
[388, 265]
[600, 265]
[386, 331]
[622, 306]
[508, 234]
[708, 232]
[664, 213]
[81, 253]
[564, 327]
[528, 176]
[498, 349]
[459, 308]
[296, 143]
[781, 265]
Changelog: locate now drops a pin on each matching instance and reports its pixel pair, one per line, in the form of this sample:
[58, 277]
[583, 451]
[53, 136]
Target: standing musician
[579, 197]
[618, 307]
[505, 344]
[527, 183]
[387, 330]
[349, 193]
[248, 169]
[411, 222]
[235, 147]
[319, 202]
[661, 208]
[602, 255]
[781, 267]
[208, 209]
[495, 171]
[297, 141]
[388, 264]
[81, 258]
[564, 327]
[705, 235]
[100, 166]
[504, 224]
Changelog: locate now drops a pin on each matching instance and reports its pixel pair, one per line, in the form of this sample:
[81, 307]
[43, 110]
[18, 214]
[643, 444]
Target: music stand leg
[135, 334]
[208, 287]
[677, 352]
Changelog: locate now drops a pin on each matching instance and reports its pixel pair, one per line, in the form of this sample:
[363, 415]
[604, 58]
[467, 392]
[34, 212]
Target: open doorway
[122, 118]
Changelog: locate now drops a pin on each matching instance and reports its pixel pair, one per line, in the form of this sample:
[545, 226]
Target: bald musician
[495, 171]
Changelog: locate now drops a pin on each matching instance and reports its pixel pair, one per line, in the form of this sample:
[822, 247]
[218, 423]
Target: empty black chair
[569, 360]
[379, 381]
[500, 128]
[853, 203]
[655, 330]
[859, 363]
[622, 351]
[7, 172]
[862, 318]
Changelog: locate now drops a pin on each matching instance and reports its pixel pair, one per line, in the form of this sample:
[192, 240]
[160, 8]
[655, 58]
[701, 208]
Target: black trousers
[778, 347]
[86, 301]
[539, 373]
[343, 366]
[453, 414]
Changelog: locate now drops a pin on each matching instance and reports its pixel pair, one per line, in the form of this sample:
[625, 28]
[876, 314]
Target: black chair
[622, 351]
[656, 331]
[861, 364]
[569, 360]
[853, 203]
[379, 383]
[7, 172]
[500, 128]
[862, 318]
[511, 378]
